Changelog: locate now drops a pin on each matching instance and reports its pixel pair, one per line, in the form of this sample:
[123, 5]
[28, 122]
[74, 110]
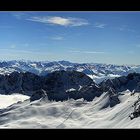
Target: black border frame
[69, 5]
[65, 5]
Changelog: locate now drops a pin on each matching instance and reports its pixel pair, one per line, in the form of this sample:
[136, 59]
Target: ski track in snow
[70, 114]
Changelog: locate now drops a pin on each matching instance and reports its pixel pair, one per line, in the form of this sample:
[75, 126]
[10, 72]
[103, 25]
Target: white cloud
[121, 29]
[99, 25]
[57, 38]
[131, 30]
[19, 15]
[13, 46]
[61, 21]
[88, 52]
[126, 28]
[15, 51]
[26, 45]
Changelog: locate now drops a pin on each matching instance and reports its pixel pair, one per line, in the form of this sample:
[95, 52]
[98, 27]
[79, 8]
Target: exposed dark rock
[130, 82]
[59, 83]
[56, 84]
[38, 94]
[10, 83]
[62, 85]
[136, 112]
[113, 97]
[31, 82]
[123, 80]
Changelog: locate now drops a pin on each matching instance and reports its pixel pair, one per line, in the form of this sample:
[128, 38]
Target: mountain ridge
[98, 72]
[62, 85]
[71, 99]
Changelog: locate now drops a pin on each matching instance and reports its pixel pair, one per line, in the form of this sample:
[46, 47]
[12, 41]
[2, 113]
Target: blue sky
[98, 37]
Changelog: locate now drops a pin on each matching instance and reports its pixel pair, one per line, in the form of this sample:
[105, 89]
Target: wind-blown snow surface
[71, 114]
[7, 100]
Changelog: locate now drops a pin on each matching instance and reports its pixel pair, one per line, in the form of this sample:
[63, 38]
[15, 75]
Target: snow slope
[7, 100]
[71, 113]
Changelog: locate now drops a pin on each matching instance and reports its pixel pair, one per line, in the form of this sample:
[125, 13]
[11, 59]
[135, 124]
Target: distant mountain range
[97, 72]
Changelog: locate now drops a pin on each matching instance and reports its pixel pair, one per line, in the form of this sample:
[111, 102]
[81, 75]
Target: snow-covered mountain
[43, 113]
[70, 99]
[98, 72]
[63, 85]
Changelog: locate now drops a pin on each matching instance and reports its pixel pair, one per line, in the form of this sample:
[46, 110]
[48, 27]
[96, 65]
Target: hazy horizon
[27, 60]
[79, 37]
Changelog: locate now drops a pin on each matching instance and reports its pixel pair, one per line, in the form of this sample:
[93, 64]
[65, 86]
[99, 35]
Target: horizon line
[48, 61]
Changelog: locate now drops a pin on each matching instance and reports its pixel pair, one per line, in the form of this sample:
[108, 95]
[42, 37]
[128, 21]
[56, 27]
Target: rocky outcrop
[130, 82]
[31, 82]
[59, 84]
[11, 83]
[62, 85]
[136, 107]
[38, 95]
[19, 83]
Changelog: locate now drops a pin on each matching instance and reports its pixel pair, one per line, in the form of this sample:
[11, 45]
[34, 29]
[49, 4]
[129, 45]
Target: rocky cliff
[62, 85]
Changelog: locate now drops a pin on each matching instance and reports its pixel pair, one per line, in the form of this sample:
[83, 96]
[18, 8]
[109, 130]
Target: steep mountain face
[62, 85]
[10, 83]
[113, 103]
[98, 72]
[38, 95]
[59, 85]
[19, 83]
[130, 82]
